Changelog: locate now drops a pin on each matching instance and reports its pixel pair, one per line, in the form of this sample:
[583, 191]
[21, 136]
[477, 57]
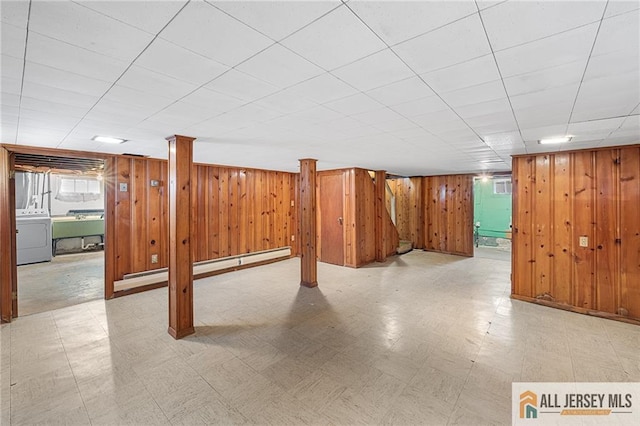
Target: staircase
[404, 247]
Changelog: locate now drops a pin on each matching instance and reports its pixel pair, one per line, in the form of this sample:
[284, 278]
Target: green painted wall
[493, 211]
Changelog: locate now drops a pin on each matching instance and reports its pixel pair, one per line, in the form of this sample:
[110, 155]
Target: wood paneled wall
[236, 211]
[359, 219]
[557, 198]
[448, 214]
[436, 212]
[409, 209]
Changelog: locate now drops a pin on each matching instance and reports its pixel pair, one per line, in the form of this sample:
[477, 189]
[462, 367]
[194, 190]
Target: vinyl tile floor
[67, 280]
[424, 338]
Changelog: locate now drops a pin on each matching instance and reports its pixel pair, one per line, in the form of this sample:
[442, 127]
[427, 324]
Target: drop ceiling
[414, 88]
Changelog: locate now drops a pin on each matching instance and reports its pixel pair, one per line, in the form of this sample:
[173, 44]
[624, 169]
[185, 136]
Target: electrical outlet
[154, 258]
[293, 238]
[292, 203]
[584, 241]
[124, 187]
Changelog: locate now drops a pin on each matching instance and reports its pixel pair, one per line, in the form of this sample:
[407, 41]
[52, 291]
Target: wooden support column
[7, 239]
[380, 206]
[180, 236]
[308, 261]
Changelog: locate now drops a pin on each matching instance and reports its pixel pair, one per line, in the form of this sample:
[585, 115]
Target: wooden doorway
[331, 190]
[8, 269]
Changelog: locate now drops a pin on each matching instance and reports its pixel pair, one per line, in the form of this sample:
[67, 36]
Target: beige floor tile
[422, 339]
[317, 390]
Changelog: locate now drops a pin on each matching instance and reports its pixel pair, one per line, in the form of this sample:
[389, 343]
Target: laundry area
[59, 231]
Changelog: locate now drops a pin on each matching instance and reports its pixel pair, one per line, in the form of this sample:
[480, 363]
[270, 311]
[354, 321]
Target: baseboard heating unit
[142, 279]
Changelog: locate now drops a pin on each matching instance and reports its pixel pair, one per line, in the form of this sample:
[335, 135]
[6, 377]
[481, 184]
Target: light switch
[584, 241]
[154, 258]
[124, 187]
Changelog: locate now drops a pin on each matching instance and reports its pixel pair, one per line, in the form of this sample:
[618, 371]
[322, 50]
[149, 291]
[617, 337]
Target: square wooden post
[380, 198]
[180, 236]
[308, 261]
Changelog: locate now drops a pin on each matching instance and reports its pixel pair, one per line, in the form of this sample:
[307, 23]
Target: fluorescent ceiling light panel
[563, 139]
[108, 139]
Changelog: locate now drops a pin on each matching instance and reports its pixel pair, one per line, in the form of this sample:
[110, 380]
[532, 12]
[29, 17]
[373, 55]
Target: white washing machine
[33, 239]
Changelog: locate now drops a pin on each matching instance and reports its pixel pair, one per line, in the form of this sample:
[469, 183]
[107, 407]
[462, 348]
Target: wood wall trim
[7, 239]
[576, 309]
[181, 235]
[308, 218]
[380, 215]
[57, 152]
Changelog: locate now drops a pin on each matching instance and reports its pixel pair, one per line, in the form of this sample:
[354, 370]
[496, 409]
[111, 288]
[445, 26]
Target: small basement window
[502, 186]
[79, 186]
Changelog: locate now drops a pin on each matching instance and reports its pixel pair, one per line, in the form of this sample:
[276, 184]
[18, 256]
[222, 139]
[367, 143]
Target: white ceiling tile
[379, 69]
[563, 94]
[212, 102]
[397, 127]
[503, 140]
[564, 48]
[354, 104]
[10, 85]
[47, 120]
[61, 108]
[244, 116]
[15, 13]
[110, 111]
[500, 105]
[470, 73]
[135, 98]
[11, 67]
[285, 103]
[9, 99]
[401, 91]
[494, 122]
[317, 114]
[64, 80]
[545, 114]
[279, 67]
[64, 56]
[534, 134]
[150, 16]
[420, 106]
[13, 39]
[321, 89]
[148, 81]
[455, 43]
[53, 94]
[475, 94]
[377, 116]
[617, 7]
[181, 114]
[612, 96]
[212, 33]
[611, 64]
[80, 26]
[277, 19]
[513, 23]
[336, 39]
[174, 61]
[242, 86]
[536, 81]
[620, 33]
[398, 21]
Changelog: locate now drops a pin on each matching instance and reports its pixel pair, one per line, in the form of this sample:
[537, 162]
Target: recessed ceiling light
[108, 139]
[563, 139]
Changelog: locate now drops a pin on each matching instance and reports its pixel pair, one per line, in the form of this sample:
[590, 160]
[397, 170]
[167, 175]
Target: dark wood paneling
[593, 194]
